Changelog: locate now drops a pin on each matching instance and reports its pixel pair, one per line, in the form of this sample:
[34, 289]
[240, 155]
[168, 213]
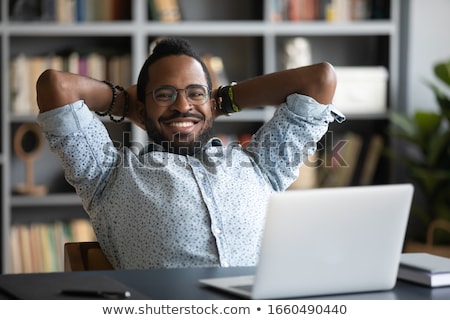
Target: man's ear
[140, 115]
[214, 110]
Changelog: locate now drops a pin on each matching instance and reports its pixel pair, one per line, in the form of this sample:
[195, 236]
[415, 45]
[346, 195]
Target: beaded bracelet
[125, 106]
[113, 100]
[115, 91]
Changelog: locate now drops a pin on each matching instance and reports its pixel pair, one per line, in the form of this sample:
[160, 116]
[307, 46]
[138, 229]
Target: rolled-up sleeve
[83, 145]
[281, 145]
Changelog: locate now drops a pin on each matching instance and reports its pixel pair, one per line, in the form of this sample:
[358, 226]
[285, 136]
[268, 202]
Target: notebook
[327, 241]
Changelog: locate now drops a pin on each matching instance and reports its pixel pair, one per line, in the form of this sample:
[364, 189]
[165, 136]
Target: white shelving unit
[249, 46]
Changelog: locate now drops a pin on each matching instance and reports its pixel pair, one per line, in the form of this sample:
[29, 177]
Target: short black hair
[167, 47]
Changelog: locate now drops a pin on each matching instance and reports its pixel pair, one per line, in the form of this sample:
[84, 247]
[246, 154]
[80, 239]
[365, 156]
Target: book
[36, 247]
[97, 63]
[425, 269]
[46, 248]
[341, 162]
[19, 91]
[39, 247]
[165, 10]
[303, 10]
[15, 261]
[65, 11]
[25, 249]
[216, 69]
[308, 174]
[371, 160]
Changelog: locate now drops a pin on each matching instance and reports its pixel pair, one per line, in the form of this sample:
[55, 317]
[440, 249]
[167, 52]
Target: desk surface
[172, 284]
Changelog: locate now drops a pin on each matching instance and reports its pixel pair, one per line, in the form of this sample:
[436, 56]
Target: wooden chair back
[84, 256]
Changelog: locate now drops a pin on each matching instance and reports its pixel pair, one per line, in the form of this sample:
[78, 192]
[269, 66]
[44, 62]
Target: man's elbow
[326, 83]
[45, 79]
[47, 89]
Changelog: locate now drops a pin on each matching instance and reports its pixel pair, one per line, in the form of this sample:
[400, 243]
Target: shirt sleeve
[83, 145]
[282, 145]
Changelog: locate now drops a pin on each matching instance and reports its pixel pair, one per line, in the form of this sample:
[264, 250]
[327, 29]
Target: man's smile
[182, 123]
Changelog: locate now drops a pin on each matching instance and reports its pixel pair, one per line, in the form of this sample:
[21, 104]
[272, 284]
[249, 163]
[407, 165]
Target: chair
[84, 256]
[429, 246]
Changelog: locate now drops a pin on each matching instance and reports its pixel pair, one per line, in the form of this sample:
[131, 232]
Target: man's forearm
[56, 89]
[317, 81]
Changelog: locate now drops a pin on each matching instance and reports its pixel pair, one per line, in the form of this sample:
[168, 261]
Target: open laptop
[328, 241]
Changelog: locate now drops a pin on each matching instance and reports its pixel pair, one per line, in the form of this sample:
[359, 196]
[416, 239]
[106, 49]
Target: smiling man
[185, 200]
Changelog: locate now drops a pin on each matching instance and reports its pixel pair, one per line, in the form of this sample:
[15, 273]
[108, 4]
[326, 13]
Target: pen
[97, 293]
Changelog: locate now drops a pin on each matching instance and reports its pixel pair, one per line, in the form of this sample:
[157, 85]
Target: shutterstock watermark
[268, 153]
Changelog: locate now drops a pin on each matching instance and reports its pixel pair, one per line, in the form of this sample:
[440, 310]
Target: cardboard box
[361, 90]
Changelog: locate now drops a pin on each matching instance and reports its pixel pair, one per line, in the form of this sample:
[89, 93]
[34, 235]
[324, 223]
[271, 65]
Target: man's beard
[179, 143]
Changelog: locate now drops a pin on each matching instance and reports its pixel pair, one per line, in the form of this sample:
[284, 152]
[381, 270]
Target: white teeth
[182, 124]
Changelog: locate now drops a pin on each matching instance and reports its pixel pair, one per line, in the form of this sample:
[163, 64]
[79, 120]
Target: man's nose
[181, 103]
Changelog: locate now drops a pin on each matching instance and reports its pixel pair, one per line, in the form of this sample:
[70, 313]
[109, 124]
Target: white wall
[428, 42]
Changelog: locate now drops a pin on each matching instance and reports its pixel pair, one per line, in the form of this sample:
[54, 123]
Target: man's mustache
[176, 115]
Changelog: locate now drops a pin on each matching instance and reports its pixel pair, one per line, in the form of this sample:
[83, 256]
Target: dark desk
[172, 284]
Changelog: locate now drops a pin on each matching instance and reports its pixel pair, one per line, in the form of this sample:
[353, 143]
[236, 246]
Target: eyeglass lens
[166, 95]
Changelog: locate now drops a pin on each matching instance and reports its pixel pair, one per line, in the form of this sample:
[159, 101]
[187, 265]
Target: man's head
[174, 86]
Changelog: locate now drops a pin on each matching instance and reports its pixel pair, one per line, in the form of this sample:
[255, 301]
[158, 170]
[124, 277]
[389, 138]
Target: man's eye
[164, 95]
[196, 94]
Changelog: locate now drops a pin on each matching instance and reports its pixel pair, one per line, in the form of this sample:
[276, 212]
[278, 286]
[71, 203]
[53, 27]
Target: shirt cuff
[308, 107]
[65, 120]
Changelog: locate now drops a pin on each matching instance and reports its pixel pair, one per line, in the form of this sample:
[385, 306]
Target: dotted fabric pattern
[163, 210]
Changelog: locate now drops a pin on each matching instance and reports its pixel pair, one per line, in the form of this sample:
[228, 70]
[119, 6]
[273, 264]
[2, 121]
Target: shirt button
[225, 264]
[208, 199]
[217, 230]
[201, 175]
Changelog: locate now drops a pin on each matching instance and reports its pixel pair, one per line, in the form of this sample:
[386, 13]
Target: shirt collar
[151, 147]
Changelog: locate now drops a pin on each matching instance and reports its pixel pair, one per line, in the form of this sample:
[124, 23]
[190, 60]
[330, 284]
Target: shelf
[32, 118]
[259, 115]
[317, 28]
[22, 118]
[367, 116]
[56, 29]
[203, 28]
[63, 199]
[240, 32]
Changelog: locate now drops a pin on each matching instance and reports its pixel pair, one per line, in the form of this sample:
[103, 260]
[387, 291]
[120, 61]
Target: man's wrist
[116, 91]
[224, 99]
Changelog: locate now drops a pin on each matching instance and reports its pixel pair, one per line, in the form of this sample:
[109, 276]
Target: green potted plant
[425, 151]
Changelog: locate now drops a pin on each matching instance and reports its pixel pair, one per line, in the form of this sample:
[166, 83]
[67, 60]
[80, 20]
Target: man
[185, 200]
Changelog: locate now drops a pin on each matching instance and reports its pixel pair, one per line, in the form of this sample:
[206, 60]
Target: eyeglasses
[165, 96]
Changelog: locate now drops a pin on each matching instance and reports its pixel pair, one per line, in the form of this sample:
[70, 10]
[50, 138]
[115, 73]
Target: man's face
[181, 125]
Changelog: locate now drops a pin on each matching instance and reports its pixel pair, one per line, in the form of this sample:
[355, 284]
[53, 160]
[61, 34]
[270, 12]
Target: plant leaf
[431, 179]
[404, 123]
[439, 150]
[442, 100]
[442, 71]
[444, 103]
[427, 122]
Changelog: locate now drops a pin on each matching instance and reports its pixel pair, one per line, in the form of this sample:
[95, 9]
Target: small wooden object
[28, 143]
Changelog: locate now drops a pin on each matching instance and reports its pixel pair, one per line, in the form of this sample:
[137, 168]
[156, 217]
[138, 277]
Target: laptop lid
[328, 241]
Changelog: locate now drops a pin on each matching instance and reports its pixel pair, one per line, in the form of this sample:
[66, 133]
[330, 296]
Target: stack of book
[39, 247]
[25, 70]
[425, 269]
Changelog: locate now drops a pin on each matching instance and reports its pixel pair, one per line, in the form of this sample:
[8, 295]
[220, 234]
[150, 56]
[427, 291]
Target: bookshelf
[245, 34]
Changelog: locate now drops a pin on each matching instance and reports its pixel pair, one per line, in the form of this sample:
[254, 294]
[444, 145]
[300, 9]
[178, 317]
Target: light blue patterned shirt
[163, 210]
